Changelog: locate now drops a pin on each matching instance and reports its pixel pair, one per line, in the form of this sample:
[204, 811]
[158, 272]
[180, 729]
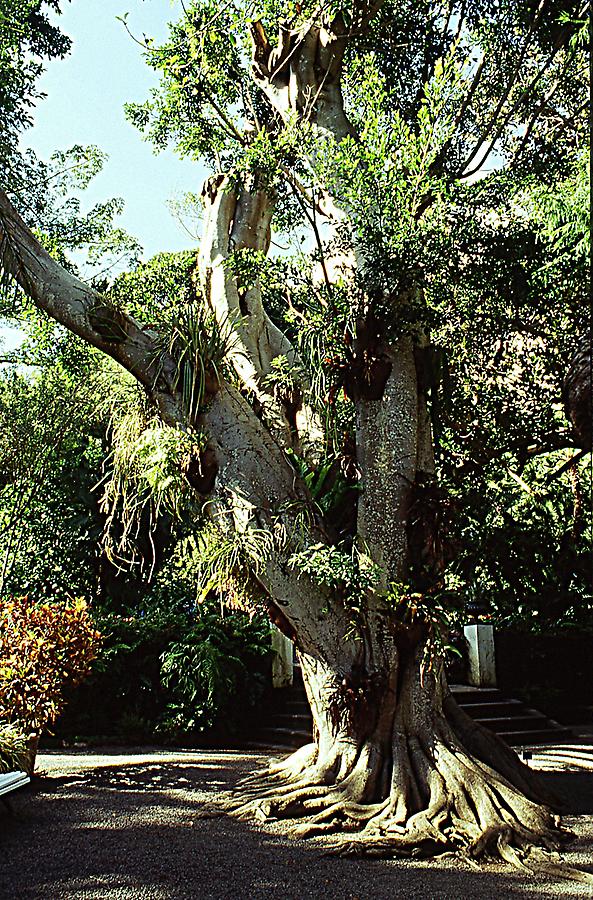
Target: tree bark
[397, 767]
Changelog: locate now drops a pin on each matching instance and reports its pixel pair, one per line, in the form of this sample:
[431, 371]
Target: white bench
[10, 782]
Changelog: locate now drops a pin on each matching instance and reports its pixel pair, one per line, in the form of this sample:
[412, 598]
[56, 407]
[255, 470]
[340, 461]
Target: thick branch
[257, 489]
[239, 219]
[302, 74]
[80, 308]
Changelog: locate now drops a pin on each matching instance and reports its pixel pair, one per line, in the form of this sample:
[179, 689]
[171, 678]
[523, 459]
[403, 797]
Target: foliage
[207, 103]
[351, 574]
[49, 196]
[27, 39]
[156, 290]
[326, 483]
[563, 212]
[46, 193]
[431, 198]
[56, 458]
[58, 186]
[510, 305]
[525, 544]
[123, 691]
[145, 480]
[440, 618]
[199, 65]
[336, 567]
[50, 453]
[463, 202]
[211, 672]
[495, 267]
[171, 668]
[44, 649]
[162, 294]
[225, 564]
[81, 455]
[13, 748]
[390, 214]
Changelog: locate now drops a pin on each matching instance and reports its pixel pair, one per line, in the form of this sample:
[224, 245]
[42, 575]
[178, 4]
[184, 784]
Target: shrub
[44, 649]
[123, 695]
[172, 671]
[214, 672]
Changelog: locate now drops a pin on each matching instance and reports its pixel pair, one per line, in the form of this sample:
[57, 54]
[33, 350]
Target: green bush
[523, 554]
[214, 671]
[173, 673]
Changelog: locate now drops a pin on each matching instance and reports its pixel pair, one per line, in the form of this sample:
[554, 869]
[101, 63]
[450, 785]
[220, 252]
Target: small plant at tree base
[44, 648]
[13, 748]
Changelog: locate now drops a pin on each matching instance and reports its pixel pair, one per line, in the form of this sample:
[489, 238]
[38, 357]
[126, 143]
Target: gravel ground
[127, 824]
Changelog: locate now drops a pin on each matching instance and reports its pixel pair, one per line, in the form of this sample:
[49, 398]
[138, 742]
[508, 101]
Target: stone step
[536, 736]
[290, 724]
[515, 723]
[464, 694]
[288, 737]
[297, 706]
[500, 709]
[302, 721]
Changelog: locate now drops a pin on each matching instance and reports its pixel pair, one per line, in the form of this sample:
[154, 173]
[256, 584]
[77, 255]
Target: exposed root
[412, 776]
[439, 799]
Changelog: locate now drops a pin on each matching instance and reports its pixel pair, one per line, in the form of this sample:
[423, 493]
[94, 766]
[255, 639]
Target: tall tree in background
[302, 389]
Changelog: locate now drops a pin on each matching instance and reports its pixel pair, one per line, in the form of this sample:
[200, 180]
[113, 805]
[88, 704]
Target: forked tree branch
[238, 218]
[302, 74]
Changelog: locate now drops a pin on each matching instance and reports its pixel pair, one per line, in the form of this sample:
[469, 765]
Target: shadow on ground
[573, 789]
[136, 829]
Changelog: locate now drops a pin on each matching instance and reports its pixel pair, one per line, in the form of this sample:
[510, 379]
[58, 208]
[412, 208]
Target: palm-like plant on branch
[364, 126]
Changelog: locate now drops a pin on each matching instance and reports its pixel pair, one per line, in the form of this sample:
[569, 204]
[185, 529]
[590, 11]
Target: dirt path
[113, 825]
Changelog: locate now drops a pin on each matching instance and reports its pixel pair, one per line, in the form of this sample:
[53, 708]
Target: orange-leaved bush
[44, 649]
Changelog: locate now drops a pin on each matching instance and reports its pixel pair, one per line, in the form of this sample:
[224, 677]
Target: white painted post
[282, 661]
[482, 663]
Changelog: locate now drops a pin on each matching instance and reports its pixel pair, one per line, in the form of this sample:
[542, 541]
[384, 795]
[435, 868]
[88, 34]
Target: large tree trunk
[396, 766]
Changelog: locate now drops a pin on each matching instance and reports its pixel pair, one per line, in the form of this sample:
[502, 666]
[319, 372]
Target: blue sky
[86, 93]
[84, 105]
